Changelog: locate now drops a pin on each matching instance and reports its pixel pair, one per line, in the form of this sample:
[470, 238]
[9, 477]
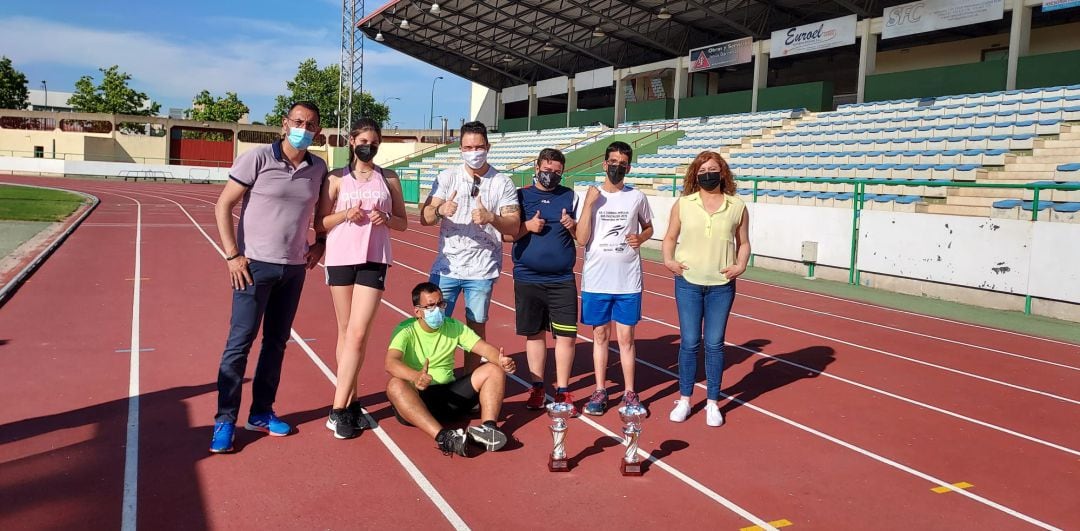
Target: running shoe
[452, 442]
[630, 399]
[360, 422]
[568, 398]
[681, 411]
[268, 423]
[342, 423]
[536, 398]
[597, 403]
[222, 442]
[488, 436]
[713, 416]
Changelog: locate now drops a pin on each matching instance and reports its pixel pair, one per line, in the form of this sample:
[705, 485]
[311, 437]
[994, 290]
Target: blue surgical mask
[300, 138]
[434, 317]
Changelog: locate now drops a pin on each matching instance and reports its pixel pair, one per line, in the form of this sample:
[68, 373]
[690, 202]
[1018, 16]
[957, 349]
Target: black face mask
[616, 173]
[548, 179]
[366, 152]
[709, 181]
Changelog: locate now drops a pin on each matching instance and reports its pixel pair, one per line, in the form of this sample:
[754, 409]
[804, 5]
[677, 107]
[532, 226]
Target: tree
[13, 92]
[320, 86]
[207, 108]
[113, 95]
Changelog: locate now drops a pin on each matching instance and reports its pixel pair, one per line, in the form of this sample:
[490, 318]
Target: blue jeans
[477, 295]
[270, 301]
[710, 305]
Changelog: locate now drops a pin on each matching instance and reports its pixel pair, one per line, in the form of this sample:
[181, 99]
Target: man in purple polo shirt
[279, 185]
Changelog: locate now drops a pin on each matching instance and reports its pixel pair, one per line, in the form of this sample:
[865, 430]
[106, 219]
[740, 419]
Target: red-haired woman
[707, 246]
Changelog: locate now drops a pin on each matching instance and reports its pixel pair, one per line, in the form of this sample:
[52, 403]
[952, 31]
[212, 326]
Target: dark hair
[421, 288]
[476, 128]
[307, 105]
[690, 182]
[359, 126]
[551, 154]
[621, 147]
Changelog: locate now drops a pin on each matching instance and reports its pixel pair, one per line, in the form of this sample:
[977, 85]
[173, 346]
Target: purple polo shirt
[277, 208]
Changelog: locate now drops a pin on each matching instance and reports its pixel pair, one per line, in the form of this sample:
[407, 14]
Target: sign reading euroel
[729, 53]
[931, 15]
[813, 37]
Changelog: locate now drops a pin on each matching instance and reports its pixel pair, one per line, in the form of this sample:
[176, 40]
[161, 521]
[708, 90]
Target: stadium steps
[955, 210]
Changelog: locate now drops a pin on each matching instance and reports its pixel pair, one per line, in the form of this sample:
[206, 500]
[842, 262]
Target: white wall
[108, 169]
[482, 105]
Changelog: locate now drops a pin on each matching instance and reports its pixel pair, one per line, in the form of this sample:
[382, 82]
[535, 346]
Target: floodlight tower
[351, 84]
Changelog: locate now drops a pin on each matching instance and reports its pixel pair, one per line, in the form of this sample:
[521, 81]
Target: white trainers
[713, 416]
[681, 411]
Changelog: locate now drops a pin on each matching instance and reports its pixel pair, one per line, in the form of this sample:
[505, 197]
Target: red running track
[845, 415]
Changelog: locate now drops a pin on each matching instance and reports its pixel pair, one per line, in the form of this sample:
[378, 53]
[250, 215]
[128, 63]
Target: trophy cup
[559, 413]
[632, 416]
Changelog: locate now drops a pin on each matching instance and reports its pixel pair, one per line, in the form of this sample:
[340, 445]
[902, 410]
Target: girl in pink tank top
[359, 206]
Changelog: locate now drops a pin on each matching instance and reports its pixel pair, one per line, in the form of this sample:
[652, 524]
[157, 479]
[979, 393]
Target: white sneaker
[713, 416]
[681, 411]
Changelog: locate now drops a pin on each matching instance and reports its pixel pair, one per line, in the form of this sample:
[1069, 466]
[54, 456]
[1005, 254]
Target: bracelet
[233, 257]
[438, 215]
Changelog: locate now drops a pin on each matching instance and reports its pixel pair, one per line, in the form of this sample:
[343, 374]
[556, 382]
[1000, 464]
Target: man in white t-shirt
[474, 206]
[614, 221]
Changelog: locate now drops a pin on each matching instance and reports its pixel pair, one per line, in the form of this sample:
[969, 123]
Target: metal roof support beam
[559, 40]
[470, 60]
[853, 8]
[727, 21]
[650, 41]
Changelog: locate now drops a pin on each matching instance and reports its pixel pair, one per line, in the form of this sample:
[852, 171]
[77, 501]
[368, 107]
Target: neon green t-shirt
[437, 347]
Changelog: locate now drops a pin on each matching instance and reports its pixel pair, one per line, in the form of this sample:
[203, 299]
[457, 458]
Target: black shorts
[370, 274]
[550, 306]
[449, 401]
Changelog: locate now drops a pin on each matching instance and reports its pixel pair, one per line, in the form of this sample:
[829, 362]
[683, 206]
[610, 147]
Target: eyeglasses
[475, 186]
[619, 164]
[466, 149]
[432, 306]
[296, 122]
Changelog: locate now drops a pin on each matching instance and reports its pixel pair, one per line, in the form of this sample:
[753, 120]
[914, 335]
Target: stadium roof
[501, 43]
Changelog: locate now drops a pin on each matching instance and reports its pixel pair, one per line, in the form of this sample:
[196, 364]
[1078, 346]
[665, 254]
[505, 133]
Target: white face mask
[475, 159]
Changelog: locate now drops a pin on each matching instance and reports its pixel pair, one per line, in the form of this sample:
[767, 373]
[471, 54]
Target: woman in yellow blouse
[707, 247]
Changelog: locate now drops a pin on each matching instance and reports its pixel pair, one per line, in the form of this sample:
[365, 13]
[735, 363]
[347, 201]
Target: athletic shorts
[548, 306]
[599, 309]
[370, 274]
[449, 401]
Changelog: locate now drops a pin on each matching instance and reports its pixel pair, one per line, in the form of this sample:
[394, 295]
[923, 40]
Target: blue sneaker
[268, 423]
[222, 443]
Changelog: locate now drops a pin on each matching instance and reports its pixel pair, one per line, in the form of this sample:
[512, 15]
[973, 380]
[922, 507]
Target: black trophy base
[629, 469]
[558, 465]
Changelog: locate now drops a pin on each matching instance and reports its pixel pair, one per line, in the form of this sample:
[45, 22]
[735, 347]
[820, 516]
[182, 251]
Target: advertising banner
[813, 37]
[729, 53]
[1054, 5]
[931, 15]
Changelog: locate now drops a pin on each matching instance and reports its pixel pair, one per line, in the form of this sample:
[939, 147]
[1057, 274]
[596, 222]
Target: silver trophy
[559, 413]
[632, 417]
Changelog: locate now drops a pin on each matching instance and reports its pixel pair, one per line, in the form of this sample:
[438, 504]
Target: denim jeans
[708, 305]
[271, 301]
[477, 295]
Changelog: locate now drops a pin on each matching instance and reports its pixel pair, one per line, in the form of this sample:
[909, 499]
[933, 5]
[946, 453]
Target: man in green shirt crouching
[422, 387]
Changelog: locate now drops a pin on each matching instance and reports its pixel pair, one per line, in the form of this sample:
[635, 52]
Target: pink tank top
[358, 243]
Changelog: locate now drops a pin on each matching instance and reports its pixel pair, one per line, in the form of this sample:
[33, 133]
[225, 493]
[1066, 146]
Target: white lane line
[410, 467]
[879, 458]
[128, 517]
[905, 312]
[850, 446]
[856, 345]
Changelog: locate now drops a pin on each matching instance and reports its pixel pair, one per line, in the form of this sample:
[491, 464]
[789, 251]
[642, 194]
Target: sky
[173, 50]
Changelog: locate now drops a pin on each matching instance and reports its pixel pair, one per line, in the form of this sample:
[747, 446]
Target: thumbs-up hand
[449, 207]
[536, 223]
[423, 379]
[481, 215]
[567, 221]
[591, 196]
[506, 362]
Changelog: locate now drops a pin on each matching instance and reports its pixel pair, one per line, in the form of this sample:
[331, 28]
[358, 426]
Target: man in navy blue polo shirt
[545, 292]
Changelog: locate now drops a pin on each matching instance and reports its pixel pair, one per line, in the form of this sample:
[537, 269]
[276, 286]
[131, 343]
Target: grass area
[21, 203]
[1006, 320]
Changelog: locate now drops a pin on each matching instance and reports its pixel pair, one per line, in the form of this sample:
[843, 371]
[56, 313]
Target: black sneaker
[360, 422]
[341, 423]
[452, 442]
[488, 436]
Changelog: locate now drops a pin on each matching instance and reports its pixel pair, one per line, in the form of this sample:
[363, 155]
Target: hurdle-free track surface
[839, 414]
